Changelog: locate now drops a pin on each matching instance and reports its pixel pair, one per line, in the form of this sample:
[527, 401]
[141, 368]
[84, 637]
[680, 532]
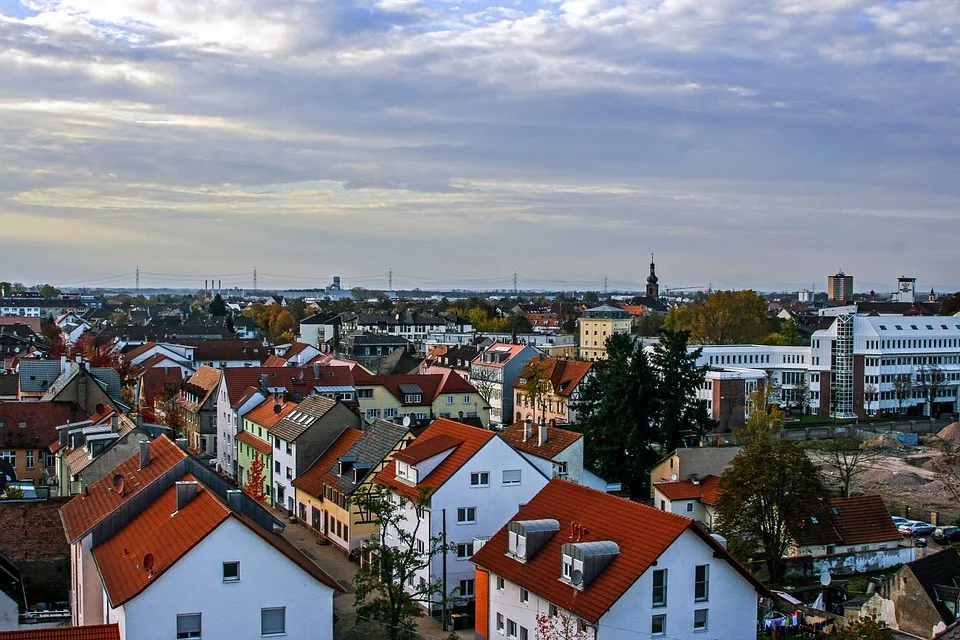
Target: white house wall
[732, 602]
[230, 610]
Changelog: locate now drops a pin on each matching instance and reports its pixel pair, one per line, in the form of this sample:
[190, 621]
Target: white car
[916, 528]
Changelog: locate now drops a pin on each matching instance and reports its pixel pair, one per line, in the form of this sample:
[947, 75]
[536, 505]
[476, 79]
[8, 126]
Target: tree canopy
[723, 317]
[770, 492]
[678, 378]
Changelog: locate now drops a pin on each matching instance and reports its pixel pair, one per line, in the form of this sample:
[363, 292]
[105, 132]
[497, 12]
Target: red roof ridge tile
[82, 632]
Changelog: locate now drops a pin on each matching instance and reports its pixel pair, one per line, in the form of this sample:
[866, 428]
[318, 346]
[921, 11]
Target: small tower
[933, 296]
[653, 288]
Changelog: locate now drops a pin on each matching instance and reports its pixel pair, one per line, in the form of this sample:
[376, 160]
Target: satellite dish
[99, 408]
[673, 477]
[576, 577]
[406, 421]
[148, 563]
[118, 483]
[825, 578]
[521, 549]
[277, 409]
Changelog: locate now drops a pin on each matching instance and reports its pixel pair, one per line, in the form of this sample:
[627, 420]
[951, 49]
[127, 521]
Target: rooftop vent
[525, 537]
[144, 454]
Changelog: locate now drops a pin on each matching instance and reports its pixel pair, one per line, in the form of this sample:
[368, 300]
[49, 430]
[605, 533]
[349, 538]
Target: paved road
[338, 567]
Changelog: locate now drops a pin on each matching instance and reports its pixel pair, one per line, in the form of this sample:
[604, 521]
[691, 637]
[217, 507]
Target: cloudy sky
[745, 142]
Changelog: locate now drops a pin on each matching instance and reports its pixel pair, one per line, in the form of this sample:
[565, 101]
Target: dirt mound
[884, 443]
[951, 434]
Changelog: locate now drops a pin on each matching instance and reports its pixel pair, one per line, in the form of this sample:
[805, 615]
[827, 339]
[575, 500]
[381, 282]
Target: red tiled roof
[223, 350]
[274, 361]
[642, 533]
[203, 383]
[313, 479]
[265, 413]
[168, 536]
[85, 510]
[863, 519]
[706, 490]
[472, 440]
[564, 374]
[424, 448]
[32, 530]
[238, 379]
[557, 440]
[39, 422]
[248, 438]
[136, 352]
[295, 349]
[85, 632]
[33, 323]
[510, 349]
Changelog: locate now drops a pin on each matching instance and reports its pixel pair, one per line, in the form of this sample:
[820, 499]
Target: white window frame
[470, 590]
[231, 578]
[511, 482]
[465, 513]
[190, 633]
[477, 479]
[706, 619]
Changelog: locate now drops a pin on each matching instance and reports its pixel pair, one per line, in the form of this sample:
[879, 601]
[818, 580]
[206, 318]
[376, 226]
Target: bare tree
[843, 459]
[870, 395]
[947, 468]
[902, 390]
[536, 384]
[802, 395]
[484, 379]
[931, 382]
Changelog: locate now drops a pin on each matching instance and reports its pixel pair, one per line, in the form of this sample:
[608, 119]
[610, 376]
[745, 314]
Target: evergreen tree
[679, 378]
[619, 408]
[218, 307]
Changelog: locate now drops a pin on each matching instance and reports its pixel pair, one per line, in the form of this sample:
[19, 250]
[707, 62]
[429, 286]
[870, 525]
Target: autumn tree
[391, 588]
[256, 480]
[679, 378]
[765, 418]
[770, 491]
[536, 384]
[618, 411]
[562, 626]
[946, 466]
[950, 305]
[843, 459]
[861, 629]
[723, 317]
[49, 291]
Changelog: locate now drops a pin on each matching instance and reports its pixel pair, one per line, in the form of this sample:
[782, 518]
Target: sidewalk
[338, 567]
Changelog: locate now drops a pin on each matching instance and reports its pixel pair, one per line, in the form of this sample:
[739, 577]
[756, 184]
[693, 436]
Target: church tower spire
[653, 287]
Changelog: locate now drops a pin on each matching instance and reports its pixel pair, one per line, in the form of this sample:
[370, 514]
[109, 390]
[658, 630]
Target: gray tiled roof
[36, 376]
[378, 440]
[290, 428]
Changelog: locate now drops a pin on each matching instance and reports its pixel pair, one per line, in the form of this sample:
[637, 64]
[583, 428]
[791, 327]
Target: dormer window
[588, 559]
[525, 537]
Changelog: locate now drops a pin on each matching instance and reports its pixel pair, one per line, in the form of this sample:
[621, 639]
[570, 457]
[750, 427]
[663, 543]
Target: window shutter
[511, 476]
[272, 621]
[188, 624]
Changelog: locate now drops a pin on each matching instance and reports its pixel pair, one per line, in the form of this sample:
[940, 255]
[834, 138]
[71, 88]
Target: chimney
[235, 499]
[79, 358]
[263, 384]
[527, 429]
[114, 423]
[316, 370]
[186, 491]
[182, 443]
[64, 432]
[63, 363]
[543, 433]
[144, 454]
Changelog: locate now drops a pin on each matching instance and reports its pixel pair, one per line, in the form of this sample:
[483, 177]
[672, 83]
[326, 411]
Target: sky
[746, 143]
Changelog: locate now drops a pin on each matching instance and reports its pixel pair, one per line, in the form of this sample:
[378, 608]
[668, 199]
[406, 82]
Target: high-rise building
[840, 287]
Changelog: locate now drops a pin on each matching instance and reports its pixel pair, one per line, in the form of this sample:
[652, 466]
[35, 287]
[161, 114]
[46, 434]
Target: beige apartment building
[596, 325]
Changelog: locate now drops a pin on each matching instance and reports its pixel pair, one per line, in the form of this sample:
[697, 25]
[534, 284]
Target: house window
[276, 467]
[524, 595]
[413, 398]
[289, 449]
[480, 479]
[658, 625]
[464, 550]
[421, 547]
[560, 469]
[466, 515]
[701, 585]
[289, 473]
[390, 412]
[567, 567]
[373, 414]
[511, 628]
[188, 625]
[231, 572]
[500, 622]
[524, 634]
[700, 619]
[500, 584]
[30, 460]
[273, 621]
[10, 457]
[660, 588]
[553, 610]
[689, 507]
[466, 588]
[511, 476]
[451, 399]
[467, 399]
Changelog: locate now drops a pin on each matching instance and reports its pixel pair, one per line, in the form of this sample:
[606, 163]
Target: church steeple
[653, 288]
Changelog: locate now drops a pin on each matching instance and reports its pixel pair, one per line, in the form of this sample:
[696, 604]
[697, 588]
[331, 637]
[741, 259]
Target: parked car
[897, 521]
[916, 528]
[946, 535]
